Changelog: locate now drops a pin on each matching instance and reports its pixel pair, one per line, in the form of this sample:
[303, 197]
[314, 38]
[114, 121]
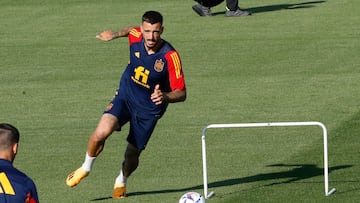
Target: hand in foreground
[106, 35]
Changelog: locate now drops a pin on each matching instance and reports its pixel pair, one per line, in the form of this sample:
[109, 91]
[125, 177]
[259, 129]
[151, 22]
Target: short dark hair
[152, 17]
[15, 134]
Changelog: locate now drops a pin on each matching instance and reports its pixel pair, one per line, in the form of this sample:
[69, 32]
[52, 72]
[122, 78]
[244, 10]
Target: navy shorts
[141, 126]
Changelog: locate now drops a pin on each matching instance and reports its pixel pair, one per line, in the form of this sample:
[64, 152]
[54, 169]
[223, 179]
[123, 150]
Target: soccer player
[15, 186]
[152, 79]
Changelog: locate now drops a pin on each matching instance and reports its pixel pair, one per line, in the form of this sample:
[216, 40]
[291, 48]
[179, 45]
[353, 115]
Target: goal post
[271, 124]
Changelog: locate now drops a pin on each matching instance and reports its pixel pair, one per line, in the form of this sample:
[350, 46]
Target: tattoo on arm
[115, 35]
[122, 33]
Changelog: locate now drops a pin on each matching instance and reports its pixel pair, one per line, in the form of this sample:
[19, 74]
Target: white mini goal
[272, 124]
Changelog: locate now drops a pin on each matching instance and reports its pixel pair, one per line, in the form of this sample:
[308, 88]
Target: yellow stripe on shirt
[177, 64]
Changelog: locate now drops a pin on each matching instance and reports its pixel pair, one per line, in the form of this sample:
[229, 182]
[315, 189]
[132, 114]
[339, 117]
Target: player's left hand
[157, 96]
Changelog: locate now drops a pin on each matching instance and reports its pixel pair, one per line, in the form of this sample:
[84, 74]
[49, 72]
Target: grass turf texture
[290, 61]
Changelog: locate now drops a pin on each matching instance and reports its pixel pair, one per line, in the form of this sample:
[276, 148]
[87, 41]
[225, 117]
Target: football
[192, 197]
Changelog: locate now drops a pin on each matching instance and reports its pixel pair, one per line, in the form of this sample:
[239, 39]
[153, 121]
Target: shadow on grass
[277, 7]
[298, 172]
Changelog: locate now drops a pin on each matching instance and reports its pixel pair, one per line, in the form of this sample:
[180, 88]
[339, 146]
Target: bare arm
[158, 97]
[108, 35]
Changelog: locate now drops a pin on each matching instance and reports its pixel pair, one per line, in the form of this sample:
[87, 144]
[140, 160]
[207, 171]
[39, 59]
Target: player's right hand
[106, 35]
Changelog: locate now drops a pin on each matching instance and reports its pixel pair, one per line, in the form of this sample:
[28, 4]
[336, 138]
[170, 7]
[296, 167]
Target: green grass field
[293, 60]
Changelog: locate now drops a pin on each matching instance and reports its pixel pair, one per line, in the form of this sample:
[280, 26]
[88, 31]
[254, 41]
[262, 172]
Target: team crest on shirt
[159, 65]
[137, 54]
